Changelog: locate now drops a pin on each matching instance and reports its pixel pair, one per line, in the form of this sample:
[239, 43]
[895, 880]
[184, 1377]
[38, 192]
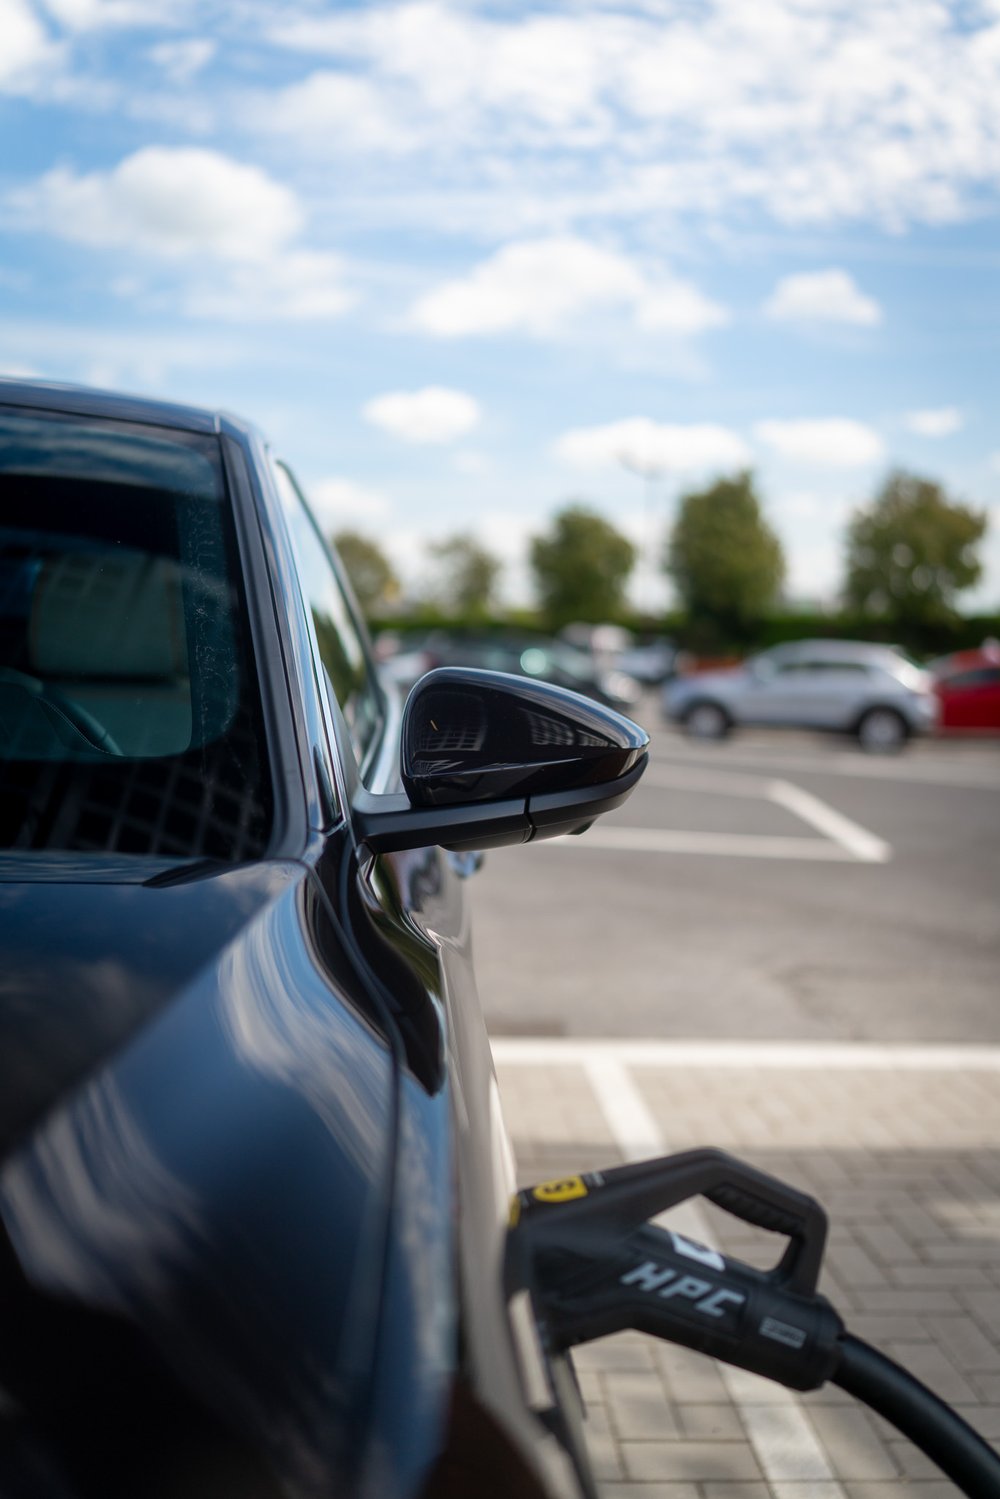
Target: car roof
[83, 400]
[862, 649]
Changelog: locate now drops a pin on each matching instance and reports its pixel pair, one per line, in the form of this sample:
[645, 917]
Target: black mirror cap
[471, 736]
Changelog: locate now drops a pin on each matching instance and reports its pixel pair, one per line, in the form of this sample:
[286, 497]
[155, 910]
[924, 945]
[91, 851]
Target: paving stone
[881, 1328]
[886, 1243]
[932, 1365]
[638, 1406]
[693, 1461]
[716, 1423]
[908, 1169]
[918, 1302]
[902, 1489]
[850, 1441]
[625, 1351]
[602, 1449]
[785, 1443]
[807, 1491]
[936, 1277]
[855, 1268]
[912, 1462]
[648, 1491]
[691, 1378]
[965, 1344]
[732, 1491]
[985, 1308]
[985, 1419]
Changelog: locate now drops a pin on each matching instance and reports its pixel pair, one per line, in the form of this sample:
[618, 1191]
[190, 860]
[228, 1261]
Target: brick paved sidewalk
[902, 1147]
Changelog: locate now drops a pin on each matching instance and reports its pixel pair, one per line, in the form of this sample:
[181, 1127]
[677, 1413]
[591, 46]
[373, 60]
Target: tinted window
[854, 668]
[129, 717]
[981, 676]
[341, 647]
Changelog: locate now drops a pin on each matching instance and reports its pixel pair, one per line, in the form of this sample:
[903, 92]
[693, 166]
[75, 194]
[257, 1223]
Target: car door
[971, 699]
[812, 692]
[406, 913]
[773, 692]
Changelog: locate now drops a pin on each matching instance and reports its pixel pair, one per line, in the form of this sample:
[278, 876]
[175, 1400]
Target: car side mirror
[489, 759]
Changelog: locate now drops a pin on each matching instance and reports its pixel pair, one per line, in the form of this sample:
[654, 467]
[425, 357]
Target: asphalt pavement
[776, 886]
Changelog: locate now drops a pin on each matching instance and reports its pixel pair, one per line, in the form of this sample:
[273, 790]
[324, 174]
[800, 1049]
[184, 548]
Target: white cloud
[814, 113]
[830, 296]
[678, 307]
[528, 287]
[471, 462]
[431, 415]
[88, 15]
[538, 286]
[178, 364]
[828, 442]
[181, 60]
[941, 421]
[26, 47]
[166, 201]
[645, 445]
[339, 501]
[296, 286]
[334, 113]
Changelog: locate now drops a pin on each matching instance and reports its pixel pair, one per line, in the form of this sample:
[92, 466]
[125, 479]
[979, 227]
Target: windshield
[129, 717]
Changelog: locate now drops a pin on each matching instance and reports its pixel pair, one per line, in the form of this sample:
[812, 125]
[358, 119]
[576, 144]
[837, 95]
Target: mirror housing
[489, 759]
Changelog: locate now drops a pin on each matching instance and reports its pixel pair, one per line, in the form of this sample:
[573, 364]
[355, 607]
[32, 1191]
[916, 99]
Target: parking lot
[779, 886]
[788, 949]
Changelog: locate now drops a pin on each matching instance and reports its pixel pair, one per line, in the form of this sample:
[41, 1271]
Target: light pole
[649, 472]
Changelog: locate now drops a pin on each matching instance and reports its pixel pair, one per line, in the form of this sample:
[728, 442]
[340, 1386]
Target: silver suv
[871, 691]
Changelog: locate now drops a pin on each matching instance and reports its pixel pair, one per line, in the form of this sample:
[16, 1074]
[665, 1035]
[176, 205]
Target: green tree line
[909, 554]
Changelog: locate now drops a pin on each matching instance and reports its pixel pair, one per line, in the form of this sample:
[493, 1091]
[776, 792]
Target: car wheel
[882, 731]
[707, 721]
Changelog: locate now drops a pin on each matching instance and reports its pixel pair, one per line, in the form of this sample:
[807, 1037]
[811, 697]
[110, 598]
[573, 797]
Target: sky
[467, 262]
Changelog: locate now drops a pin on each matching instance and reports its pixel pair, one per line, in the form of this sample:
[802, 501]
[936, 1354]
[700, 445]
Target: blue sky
[466, 261]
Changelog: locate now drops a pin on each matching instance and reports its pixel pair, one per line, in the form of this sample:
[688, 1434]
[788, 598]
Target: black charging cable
[940, 1432]
[593, 1264]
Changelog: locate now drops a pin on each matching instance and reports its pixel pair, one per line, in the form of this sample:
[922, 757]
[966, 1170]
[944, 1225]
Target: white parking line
[850, 835]
[795, 1056]
[980, 777]
[783, 1438]
[724, 845]
[727, 845]
[859, 843]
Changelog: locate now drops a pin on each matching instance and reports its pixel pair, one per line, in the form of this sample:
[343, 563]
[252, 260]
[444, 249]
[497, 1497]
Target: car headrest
[108, 615]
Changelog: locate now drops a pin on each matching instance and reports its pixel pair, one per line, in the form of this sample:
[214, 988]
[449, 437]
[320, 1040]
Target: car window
[129, 710]
[342, 648]
[981, 676]
[824, 666]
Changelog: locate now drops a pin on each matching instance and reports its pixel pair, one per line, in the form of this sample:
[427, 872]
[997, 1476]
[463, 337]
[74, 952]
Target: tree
[912, 551]
[581, 567]
[464, 575]
[369, 570]
[725, 561]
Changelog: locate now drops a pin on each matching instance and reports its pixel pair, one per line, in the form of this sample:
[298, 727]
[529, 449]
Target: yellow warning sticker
[562, 1190]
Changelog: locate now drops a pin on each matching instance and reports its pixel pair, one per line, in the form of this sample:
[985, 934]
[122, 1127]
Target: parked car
[253, 1178]
[870, 691]
[531, 656]
[967, 685]
[652, 663]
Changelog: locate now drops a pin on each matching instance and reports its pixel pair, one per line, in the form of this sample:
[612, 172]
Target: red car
[968, 689]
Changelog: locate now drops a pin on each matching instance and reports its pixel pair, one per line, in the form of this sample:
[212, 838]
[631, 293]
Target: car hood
[193, 1208]
[93, 949]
